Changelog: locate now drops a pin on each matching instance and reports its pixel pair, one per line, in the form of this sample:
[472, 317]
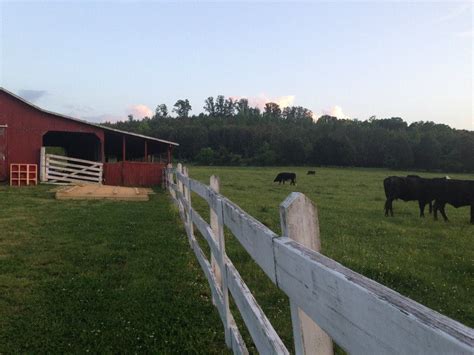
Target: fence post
[179, 169]
[43, 164]
[169, 176]
[101, 174]
[299, 221]
[187, 197]
[217, 226]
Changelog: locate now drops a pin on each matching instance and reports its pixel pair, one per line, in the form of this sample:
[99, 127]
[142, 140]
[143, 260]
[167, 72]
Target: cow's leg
[435, 210]
[389, 206]
[422, 204]
[443, 213]
[386, 208]
[431, 206]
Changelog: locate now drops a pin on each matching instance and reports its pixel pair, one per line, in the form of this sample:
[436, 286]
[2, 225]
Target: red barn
[128, 159]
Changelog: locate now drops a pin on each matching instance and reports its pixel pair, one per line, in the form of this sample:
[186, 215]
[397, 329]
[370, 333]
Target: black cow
[457, 193]
[282, 177]
[311, 172]
[410, 188]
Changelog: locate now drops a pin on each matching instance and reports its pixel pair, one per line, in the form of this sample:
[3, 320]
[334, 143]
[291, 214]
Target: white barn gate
[61, 170]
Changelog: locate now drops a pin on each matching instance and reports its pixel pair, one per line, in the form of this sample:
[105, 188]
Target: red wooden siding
[26, 127]
[130, 173]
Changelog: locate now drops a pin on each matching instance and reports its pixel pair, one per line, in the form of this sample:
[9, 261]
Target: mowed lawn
[430, 262]
[100, 277]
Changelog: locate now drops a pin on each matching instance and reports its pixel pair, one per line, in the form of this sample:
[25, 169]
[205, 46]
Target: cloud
[460, 10]
[335, 111]
[260, 100]
[78, 109]
[31, 95]
[466, 34]
[139, 111]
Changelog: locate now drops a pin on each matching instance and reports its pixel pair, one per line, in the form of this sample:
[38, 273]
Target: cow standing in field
[282, 177]
[311, 172]
[410, 188]
[457, 193]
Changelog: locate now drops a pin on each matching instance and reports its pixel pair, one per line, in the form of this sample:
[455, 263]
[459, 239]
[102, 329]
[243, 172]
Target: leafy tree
[182, 108]
[161, 111]
[272, 111]
[206, 156]
[209, 106]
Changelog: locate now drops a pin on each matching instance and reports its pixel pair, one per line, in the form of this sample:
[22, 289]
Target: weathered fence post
[217, 226]
[214, 184]
[299, 221]
[170, 181]
[187, 197]
[179, 169]
[43, 164]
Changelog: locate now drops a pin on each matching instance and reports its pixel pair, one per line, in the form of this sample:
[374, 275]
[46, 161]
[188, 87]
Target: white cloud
[335, 111]
[31, 95]
[468, 34]
[460, 10]
[260, 100]
[139, 111]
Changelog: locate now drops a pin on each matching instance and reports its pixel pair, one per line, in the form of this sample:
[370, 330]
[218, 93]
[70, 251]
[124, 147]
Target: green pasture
[430, 262]
[120, 277]
[99, 277]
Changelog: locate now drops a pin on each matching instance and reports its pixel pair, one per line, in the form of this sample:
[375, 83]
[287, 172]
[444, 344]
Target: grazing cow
[410, 188]
[457, 193]
[282, 177]
[311, 172]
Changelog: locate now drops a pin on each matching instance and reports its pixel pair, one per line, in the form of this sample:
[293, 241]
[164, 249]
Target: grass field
[99, 277]
[430, 262]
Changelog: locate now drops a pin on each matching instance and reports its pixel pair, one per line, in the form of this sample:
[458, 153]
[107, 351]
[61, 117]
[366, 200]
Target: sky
[104, 60]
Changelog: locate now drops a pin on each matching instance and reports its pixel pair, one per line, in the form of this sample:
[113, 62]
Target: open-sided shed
[128, 159]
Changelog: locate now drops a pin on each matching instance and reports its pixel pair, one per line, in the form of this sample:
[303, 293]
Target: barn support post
[218, 262]
[102, 149]
[299, 221]
[169, 154]
[146, 151]
[124, 149]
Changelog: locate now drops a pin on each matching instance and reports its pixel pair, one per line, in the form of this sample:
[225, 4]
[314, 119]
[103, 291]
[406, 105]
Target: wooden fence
[328, 301]
[60, 170]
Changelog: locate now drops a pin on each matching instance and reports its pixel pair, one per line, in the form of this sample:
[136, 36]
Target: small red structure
[129, 159]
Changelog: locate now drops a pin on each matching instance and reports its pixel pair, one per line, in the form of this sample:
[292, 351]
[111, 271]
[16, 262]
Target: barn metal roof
[87, 123]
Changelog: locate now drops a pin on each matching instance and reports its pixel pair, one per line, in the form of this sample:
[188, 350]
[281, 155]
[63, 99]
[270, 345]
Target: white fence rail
[328, 301]
[60, 170]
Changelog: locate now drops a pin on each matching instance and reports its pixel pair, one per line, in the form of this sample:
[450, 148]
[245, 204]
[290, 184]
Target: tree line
[231, 132]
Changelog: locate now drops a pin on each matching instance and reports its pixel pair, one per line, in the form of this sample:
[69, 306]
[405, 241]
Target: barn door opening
[73, 144]
[3, 153]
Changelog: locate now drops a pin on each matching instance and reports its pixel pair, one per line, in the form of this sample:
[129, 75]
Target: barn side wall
[133, 173]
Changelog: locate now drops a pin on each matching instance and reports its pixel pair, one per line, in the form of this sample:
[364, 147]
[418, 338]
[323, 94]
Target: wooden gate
[60, 170]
